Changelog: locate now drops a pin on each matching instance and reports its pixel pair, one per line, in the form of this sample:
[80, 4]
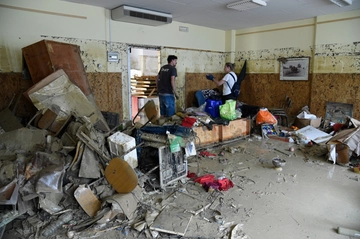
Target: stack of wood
[143, 86]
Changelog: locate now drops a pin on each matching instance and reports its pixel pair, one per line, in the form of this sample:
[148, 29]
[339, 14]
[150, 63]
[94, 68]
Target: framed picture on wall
[294, 69]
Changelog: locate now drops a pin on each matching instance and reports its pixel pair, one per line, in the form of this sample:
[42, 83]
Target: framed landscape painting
[294, 69]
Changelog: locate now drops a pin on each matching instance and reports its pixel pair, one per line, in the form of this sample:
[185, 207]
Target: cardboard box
[206, 136]
[338, 152]
[269, 130]
[236, 128]
[301, 123]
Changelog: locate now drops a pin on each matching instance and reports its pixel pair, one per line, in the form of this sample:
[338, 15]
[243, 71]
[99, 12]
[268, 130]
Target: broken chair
[282, 113]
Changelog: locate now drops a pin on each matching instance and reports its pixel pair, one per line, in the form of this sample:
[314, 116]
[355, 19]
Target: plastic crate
[120, 143]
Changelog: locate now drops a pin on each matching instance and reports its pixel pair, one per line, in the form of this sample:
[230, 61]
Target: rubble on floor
[73, 185]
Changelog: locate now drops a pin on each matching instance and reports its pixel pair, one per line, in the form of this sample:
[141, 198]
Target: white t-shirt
[229, 79]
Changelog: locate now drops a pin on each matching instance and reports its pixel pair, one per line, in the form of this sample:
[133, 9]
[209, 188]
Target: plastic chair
[282, 113]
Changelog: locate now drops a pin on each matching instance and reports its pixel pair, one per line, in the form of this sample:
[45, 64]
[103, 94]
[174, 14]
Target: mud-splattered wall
[332, 45]
[334, 77]
[106, 88]
[109, 80]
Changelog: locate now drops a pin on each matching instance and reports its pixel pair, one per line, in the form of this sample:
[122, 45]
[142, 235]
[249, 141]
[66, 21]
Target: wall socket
[113, 56]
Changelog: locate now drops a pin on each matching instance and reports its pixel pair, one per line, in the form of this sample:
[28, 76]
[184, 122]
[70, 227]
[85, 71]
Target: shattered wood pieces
[92, 145]
[78, 154]
[87, 200]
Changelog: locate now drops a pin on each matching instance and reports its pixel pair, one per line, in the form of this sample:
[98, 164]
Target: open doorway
[144, 65]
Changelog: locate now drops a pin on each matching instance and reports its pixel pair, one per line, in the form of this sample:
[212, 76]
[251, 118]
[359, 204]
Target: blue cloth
[167, 105]
[200, 98]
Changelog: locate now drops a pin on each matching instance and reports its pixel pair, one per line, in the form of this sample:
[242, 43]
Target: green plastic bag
[227, 110]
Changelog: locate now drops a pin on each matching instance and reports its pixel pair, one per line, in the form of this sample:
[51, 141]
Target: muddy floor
[309, 197]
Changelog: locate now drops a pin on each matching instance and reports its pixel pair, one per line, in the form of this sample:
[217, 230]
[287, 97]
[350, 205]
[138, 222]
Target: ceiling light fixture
[342, 3]
[247, 4]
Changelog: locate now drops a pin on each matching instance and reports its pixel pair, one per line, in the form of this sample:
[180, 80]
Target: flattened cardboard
[314, 134]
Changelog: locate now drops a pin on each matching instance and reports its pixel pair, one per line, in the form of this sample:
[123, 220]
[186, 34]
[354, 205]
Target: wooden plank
[152, 92]
[140, 96]
[141, 81]
[140, 85]
[146, 78]
[137, 88]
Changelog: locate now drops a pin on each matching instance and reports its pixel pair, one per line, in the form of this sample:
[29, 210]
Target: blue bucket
[212, 107]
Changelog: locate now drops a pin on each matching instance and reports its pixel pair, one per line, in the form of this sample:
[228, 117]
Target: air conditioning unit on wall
[137, 15]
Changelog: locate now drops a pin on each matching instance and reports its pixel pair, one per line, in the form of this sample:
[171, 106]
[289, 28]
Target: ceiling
[215, 14]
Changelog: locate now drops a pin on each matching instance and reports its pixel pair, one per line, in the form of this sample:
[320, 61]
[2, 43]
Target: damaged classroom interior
[84, 152]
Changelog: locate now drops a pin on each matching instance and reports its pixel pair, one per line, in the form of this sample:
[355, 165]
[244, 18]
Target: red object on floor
[188, 122]
[225, 184]
[192, 175]
[206, 154]
[205, 179]
[214, 185]
[209, 181]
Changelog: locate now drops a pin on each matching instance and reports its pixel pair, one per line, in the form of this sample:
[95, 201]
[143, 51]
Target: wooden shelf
[143, 86]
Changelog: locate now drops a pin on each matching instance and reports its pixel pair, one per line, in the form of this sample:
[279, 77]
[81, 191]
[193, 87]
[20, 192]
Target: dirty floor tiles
[308, 198]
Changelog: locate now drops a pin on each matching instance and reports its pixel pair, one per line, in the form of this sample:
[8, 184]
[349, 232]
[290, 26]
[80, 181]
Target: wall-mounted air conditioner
[342, 3]
[137, 15]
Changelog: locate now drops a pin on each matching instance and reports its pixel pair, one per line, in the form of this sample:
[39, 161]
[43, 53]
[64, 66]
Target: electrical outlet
[113, 56]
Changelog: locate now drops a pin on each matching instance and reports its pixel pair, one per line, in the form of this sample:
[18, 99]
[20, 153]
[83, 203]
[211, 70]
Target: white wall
[24, 22]
[341, 28]
[329, 41]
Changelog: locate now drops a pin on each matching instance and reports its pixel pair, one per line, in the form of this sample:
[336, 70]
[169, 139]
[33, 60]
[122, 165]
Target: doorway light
[342, 3]
[246, 4]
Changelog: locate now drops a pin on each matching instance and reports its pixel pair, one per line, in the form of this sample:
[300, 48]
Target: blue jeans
[167, 105]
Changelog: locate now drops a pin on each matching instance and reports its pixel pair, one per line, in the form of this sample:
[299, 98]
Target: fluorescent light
[342, 3]
[246, 4]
